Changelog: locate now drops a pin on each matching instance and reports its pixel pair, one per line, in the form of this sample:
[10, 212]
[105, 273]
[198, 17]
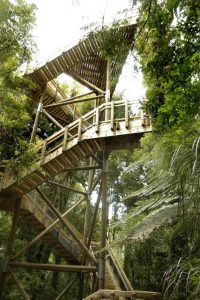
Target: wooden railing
[117, 294]
[118, 270]
[118, 111]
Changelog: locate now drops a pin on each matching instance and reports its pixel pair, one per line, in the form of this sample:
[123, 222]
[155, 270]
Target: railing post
[97, 119]
[126, 115]
[65, 140]
[80, 128]
[112, 118]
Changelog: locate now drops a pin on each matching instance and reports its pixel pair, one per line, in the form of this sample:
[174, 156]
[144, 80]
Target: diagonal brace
[68, 227]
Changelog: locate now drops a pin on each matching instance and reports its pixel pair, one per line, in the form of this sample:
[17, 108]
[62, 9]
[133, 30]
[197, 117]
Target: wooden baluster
[80, 128]
[43, 152]
[97, 119]
[126, 115]
[100, 296]
[112, 296]
[74, 113]
[65, 140]
[112, 121]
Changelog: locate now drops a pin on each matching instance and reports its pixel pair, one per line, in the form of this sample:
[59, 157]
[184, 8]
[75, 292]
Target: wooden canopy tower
[109, 126]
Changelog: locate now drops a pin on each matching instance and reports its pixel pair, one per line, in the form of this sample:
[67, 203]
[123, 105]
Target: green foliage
[168, 47]
[146, 260]
[16, 21]
[182, 280]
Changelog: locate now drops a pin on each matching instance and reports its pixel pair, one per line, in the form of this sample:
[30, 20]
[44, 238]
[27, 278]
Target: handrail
[92, 118]
[119, 270]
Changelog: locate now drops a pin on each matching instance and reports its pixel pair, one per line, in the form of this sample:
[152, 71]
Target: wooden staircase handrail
[136, 294]
[119, 269]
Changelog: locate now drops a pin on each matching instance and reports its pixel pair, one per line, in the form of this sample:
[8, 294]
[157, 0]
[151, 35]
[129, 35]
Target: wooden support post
[9, 247]
[94, 217]
[107, 98]
[40, 235]
[88, 206]
[104, 224]
[35, 125]
[69, 228]
[60, 296]
[86, 221]
[19, 286]
[52, 119]
[81, 283]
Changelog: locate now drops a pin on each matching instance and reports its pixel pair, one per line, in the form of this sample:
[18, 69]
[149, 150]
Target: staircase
[36, 213]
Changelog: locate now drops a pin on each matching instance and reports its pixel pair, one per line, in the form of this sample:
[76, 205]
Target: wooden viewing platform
[86, 135]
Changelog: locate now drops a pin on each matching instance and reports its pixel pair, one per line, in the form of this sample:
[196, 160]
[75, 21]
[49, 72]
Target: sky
[59, 23]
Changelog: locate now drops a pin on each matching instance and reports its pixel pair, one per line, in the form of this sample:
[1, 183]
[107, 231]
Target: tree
[16, 46]
[168, 46]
